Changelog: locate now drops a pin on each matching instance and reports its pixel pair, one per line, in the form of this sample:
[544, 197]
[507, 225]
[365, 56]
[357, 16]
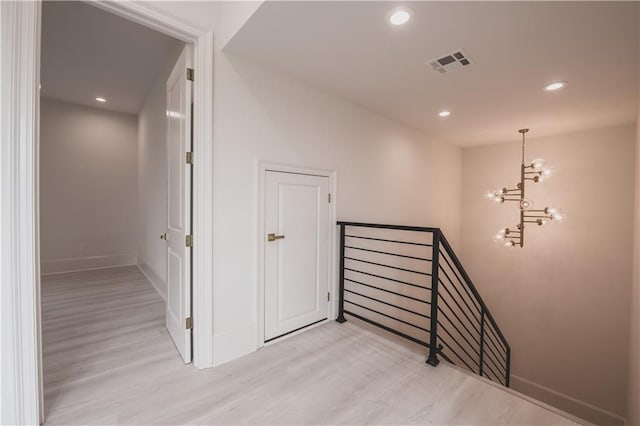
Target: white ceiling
[87, 52]
[517, 47]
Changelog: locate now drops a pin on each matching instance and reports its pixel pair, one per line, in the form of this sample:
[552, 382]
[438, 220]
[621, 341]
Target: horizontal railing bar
[461, 322]
[387, 278]
[492, 356]
[388, 291]
[455, 287]
[458, 343]
[498, 342]
[491, 377]
[387, 303]
[472, 287]
[499, 379]
[491, 347]
[389, 254]
[496, 378]
[396, 227]
[498, 367]
[462, 283]
[388, 316]
[390, 241]
[497, 360]
[454, 326]
[457, 356]
[446, 358]
[476, 319]
[389, 329]
[388, 266]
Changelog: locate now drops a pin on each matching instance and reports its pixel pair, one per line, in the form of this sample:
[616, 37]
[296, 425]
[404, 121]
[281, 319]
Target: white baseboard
[86, 263]
[155, 280]
[566, 403]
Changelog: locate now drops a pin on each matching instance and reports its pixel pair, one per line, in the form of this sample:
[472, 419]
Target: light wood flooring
[109, 360]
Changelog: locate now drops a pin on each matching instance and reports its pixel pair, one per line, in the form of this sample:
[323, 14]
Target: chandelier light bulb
[538, 164]
[526, 204]
[536, 171]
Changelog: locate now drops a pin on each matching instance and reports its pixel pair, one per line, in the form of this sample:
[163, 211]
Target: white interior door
[178, 307]
[297, 254]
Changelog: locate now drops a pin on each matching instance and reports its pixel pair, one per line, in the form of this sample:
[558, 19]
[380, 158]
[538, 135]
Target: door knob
[273, 237]
[163, 236]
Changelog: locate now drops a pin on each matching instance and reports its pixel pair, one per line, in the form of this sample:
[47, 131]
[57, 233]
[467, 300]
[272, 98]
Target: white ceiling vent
[453, 61]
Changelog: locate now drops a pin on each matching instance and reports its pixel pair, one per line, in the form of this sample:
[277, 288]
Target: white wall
[386, 172]
[88, 195]
[152, 181]
[562, 300]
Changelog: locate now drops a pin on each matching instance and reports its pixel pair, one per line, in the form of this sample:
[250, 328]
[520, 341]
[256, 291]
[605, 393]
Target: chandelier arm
[536, 216]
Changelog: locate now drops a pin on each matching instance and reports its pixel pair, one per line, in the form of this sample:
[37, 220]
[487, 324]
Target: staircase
[409, 281]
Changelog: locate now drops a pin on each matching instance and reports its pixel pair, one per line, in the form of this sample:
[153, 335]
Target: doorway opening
[115, 199]
[20, 113]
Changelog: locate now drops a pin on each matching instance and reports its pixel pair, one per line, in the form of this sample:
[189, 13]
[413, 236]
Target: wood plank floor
[109, 360]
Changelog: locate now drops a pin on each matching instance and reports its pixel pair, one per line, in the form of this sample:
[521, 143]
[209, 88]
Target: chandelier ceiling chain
[535, 171]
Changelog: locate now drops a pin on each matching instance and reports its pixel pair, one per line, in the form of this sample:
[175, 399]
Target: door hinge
[328, 297]
[329, 197]
[190, 74]
[189, 157]
[189, 241]
[189, 323]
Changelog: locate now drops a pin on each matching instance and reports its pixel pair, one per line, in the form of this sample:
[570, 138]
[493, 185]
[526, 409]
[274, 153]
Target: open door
[178, 236]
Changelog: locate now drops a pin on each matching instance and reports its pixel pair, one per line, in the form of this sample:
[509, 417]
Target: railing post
[433, 328]
[341, 317]
[481, 341]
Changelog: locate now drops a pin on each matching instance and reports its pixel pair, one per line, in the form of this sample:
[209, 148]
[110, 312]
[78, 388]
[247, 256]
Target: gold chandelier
[536, 171]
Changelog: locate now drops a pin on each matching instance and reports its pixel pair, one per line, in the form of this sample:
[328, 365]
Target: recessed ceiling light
[101, 99]
[556, 85]
[444, 113]
[400, 16]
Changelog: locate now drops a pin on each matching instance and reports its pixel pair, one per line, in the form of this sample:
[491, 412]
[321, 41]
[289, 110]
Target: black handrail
[479, 344]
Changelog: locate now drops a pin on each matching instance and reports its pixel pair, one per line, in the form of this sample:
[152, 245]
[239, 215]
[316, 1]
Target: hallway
[109, 360]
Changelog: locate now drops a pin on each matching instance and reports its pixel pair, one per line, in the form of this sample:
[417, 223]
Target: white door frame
[21, 354]
[263, 168]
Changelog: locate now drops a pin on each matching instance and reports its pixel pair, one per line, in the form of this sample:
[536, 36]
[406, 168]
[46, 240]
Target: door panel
[178, 307]
[296, 266]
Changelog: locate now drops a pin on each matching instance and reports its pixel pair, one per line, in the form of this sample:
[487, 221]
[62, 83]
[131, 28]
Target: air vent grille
[453, 61]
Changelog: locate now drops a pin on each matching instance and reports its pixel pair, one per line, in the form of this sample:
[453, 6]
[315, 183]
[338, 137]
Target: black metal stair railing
[409, 281]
